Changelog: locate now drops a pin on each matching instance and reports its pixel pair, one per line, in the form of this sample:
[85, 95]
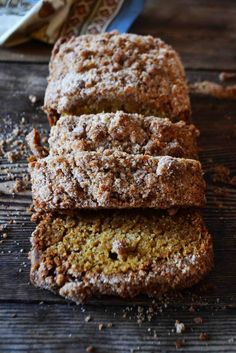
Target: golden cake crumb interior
[117, 244]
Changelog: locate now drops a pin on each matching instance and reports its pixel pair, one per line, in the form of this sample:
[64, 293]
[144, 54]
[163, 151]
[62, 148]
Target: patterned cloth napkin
[48, 20]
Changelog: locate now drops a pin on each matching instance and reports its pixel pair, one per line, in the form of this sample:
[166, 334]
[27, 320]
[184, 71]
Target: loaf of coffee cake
[115, 180]
[111, 71]
[130, 133]
[123, 253]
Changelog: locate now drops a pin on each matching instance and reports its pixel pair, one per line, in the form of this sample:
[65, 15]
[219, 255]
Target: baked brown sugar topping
[110, 72]
[112, 147]
[120, 252]
[115, 180]
[130, 133]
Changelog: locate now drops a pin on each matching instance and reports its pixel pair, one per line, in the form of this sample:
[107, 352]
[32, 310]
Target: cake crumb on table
[88, 318]
[224, 76]
[204, 336]
[198, 320]
[179, 327]
[221, 173]
[213, 89]
[19, 186]
[179, 343]
[100, 327]
[32, 98]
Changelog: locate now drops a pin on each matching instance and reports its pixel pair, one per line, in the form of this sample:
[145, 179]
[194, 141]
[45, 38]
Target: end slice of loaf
[130, 133]
[111, 71]
[122, 253]
[117, 180]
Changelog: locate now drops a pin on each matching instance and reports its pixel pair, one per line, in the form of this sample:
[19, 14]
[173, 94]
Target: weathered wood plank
[201, 31]
[62, 329]
[33, 51]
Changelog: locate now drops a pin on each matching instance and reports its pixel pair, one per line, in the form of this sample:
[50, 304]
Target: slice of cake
[110, 72]
[130, 133]
[123, 253]
[115, 180]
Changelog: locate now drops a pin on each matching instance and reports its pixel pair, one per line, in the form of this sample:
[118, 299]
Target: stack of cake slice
[117, 197]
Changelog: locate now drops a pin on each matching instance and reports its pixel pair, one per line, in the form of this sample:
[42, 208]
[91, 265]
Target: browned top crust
[115, 180]
[130, 133]
[111, 71]
[164, 253]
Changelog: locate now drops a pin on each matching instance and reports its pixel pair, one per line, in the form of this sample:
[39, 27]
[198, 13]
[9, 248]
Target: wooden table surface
[33, 320]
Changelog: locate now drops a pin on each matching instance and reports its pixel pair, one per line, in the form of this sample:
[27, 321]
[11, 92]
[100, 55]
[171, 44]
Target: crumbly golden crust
[61, 262]
[115, 180]
[130, 133]
[110, 72]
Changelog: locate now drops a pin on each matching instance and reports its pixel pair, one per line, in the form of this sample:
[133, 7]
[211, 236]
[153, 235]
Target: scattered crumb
[3, 226]
[34, 141]
[198, 320]
[224, 76]
[222, 174]
[213, 89]
[87, 318]
[32, 98]
[110, 324]
[100, 327]
[220, 192]
[204, 336]
[179, 343]
[12, 156]
[192, 309]
[179, 327]
[14, 315]
[231, 340]
[4, 235]
[90, 349]
[19, 186]
[13, 144]
[219, 205]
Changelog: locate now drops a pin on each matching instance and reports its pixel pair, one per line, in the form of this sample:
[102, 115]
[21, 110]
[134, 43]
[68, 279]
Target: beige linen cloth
[48, 20]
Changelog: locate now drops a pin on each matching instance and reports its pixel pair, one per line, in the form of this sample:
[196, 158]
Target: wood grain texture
[62, 329]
